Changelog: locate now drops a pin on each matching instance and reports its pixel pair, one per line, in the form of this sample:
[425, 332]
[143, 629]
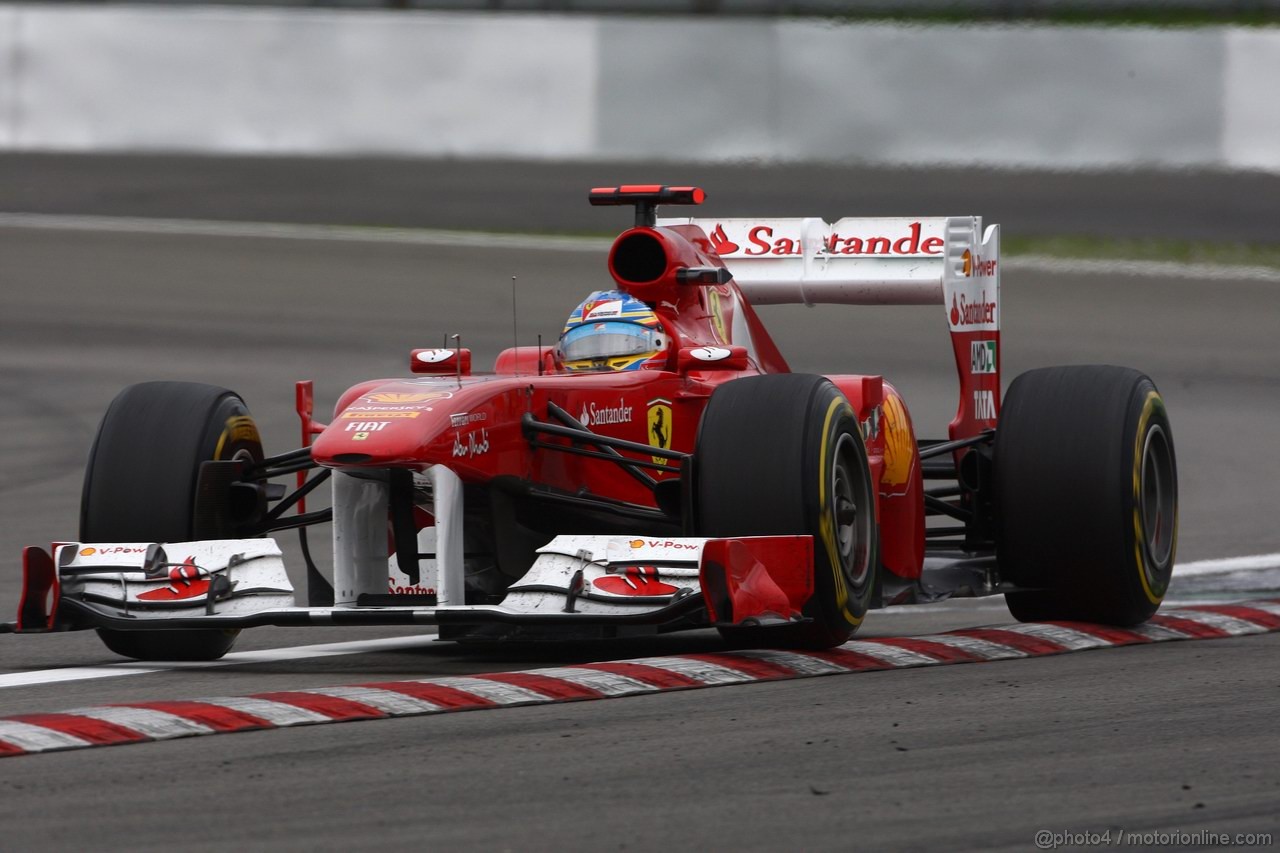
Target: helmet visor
[608, 340]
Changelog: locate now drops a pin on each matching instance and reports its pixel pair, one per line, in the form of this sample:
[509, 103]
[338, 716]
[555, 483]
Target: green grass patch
[1178, 251]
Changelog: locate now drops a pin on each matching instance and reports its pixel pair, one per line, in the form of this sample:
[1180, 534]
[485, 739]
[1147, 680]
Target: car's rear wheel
[140, 486]
[783, 455]
[1086, 490]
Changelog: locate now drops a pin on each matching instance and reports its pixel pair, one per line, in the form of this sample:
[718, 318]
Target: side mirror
[441, 361]
[711, 358]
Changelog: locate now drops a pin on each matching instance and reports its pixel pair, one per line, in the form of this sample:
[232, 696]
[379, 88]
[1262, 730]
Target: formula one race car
[660, 468]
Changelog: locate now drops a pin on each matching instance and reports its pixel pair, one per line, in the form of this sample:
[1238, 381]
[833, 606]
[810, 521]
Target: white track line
[1230, 564]
[287, 231]
[321, 650]
[530, 242]
[1142, 269]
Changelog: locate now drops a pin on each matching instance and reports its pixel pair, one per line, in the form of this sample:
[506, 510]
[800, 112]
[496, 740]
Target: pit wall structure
[580, 87]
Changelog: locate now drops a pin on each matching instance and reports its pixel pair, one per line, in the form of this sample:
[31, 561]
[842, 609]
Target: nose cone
[396, 425]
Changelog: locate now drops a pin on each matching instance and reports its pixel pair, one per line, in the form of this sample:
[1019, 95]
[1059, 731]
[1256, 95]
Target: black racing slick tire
[140, 486]
[783, 455]
[1086, 495]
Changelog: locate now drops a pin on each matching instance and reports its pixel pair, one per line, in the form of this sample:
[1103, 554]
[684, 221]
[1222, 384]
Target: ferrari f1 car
[661, 468]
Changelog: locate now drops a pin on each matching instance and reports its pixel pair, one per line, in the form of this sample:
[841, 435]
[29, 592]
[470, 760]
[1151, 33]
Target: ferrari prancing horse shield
[659, 422]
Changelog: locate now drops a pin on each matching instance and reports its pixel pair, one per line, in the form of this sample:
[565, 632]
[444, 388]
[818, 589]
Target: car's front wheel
[140, 486]
[783, 455]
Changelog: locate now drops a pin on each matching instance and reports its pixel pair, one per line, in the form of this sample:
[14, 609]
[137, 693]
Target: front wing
[578, 587]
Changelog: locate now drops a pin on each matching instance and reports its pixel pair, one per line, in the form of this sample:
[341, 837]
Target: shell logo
[899, 454]
[398, 397]
[636, 543]
[967, 260]
[88, 552]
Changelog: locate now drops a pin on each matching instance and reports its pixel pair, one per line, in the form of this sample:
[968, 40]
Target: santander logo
[721, 243]
[965, 313]
[765, 240]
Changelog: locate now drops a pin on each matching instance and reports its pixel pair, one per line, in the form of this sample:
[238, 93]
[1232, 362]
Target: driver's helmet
[610, 330]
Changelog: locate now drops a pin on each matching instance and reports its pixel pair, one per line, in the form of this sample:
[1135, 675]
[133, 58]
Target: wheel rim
[851, 504]
[1158, 498]
[243, 455]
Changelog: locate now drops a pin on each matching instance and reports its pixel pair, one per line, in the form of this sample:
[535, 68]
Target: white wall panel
[691, 89]
[1051, 97]
[10, 75]
[1251, 92]
[297, 81]
[281, 81]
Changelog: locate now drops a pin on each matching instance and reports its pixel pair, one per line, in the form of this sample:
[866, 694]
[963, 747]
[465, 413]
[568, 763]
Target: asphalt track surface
[1178, 736]
[516, 196]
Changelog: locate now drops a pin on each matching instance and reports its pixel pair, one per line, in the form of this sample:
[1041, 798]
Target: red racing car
[660, 468]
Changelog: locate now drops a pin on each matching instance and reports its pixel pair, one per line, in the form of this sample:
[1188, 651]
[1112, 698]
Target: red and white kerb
[140, 722]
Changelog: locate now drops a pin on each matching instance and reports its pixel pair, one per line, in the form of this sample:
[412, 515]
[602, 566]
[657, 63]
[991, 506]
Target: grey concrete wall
[688, 89]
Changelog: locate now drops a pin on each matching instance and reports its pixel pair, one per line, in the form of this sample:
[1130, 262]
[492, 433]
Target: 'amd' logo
[982, 357]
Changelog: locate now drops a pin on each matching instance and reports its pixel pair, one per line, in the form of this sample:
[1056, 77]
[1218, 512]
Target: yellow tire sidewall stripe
[826, 527]
[1149, 406]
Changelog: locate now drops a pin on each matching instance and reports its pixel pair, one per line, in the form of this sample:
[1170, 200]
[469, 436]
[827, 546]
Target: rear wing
[949, 261]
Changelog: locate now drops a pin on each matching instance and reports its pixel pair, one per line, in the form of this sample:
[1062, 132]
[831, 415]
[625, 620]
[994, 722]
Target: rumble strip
[109, 725]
